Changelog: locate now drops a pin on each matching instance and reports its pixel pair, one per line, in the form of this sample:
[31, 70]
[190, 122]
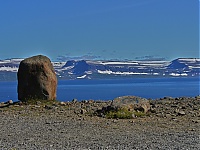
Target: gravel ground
[61, 127]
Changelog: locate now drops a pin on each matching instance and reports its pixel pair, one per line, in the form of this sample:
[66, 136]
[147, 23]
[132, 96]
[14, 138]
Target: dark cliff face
[186, 67]
[177, 64]
[79, 67]
[69, 63]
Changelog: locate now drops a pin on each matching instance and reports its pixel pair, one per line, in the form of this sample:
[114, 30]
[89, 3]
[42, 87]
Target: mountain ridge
[97, 69]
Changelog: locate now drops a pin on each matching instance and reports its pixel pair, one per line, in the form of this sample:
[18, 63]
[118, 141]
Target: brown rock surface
[36, 79]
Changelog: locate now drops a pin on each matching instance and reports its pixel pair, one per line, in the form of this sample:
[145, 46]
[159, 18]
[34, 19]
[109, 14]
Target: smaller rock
[192, 129]
[191, 105]
[176, 110]
[85, 101]
[10, 102]
[63, 103]
[20, 103]
[143, 107]
[174, 119]
[195, 108]
[37, 106]
[134, 116]
[83, 111]
[91, 101]
[153, 110]
[131, 121]
[38, 103]
[196, 121]
[114, 121]
[197, 97]
[181, 113]
[74, 100]
[152, 105]
[183, 107]
[166, 97]
[167, 115]
[48, 107]
[192, 112]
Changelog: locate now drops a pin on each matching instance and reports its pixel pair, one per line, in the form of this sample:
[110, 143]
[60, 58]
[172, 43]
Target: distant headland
[97, 69]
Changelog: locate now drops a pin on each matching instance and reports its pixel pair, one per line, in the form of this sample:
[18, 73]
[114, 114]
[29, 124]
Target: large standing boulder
[36, 79]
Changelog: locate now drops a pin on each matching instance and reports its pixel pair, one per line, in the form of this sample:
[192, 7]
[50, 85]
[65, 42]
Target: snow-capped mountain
[105, 69]
[91, 69]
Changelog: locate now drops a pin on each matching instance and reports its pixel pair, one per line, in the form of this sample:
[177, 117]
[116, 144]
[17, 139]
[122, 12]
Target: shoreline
[108, 90]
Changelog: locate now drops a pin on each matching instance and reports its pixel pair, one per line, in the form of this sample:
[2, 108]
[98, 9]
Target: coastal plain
[172, 123]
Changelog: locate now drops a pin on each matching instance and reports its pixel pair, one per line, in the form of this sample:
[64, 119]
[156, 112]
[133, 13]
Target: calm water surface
[109, 89]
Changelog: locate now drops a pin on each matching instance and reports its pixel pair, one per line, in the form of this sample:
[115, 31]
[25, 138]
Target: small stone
[183, 107]
[196, 121]
[36, 106]
[176, 111]
[10, 102]
[181, 113]
[48, 107]
[197, 97]
[189, 104]
[38, 103]
[83, 111]
[153, 110]
[20, 103]
[74, 100]
[174, 119]
[85, 101]
[192, 112]
[114, 121]
[91, 101]
[166, 97]
[192, 129]
[63, 103]
[167, 115]
[195, 108]
[133, 116]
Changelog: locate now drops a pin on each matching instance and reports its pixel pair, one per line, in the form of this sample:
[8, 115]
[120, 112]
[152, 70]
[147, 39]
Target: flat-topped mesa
[36, 79]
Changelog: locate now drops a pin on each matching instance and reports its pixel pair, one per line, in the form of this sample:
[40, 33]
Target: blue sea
[108, 89]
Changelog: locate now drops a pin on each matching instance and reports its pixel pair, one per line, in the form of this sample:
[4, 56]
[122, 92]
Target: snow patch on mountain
[81, 69]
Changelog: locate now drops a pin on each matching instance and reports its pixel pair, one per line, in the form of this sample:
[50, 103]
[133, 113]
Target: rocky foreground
[170, 123]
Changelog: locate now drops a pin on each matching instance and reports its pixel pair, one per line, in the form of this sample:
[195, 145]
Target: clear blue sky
[102, 29]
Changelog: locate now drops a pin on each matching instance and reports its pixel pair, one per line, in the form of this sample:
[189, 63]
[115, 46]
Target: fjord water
[108, 89]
